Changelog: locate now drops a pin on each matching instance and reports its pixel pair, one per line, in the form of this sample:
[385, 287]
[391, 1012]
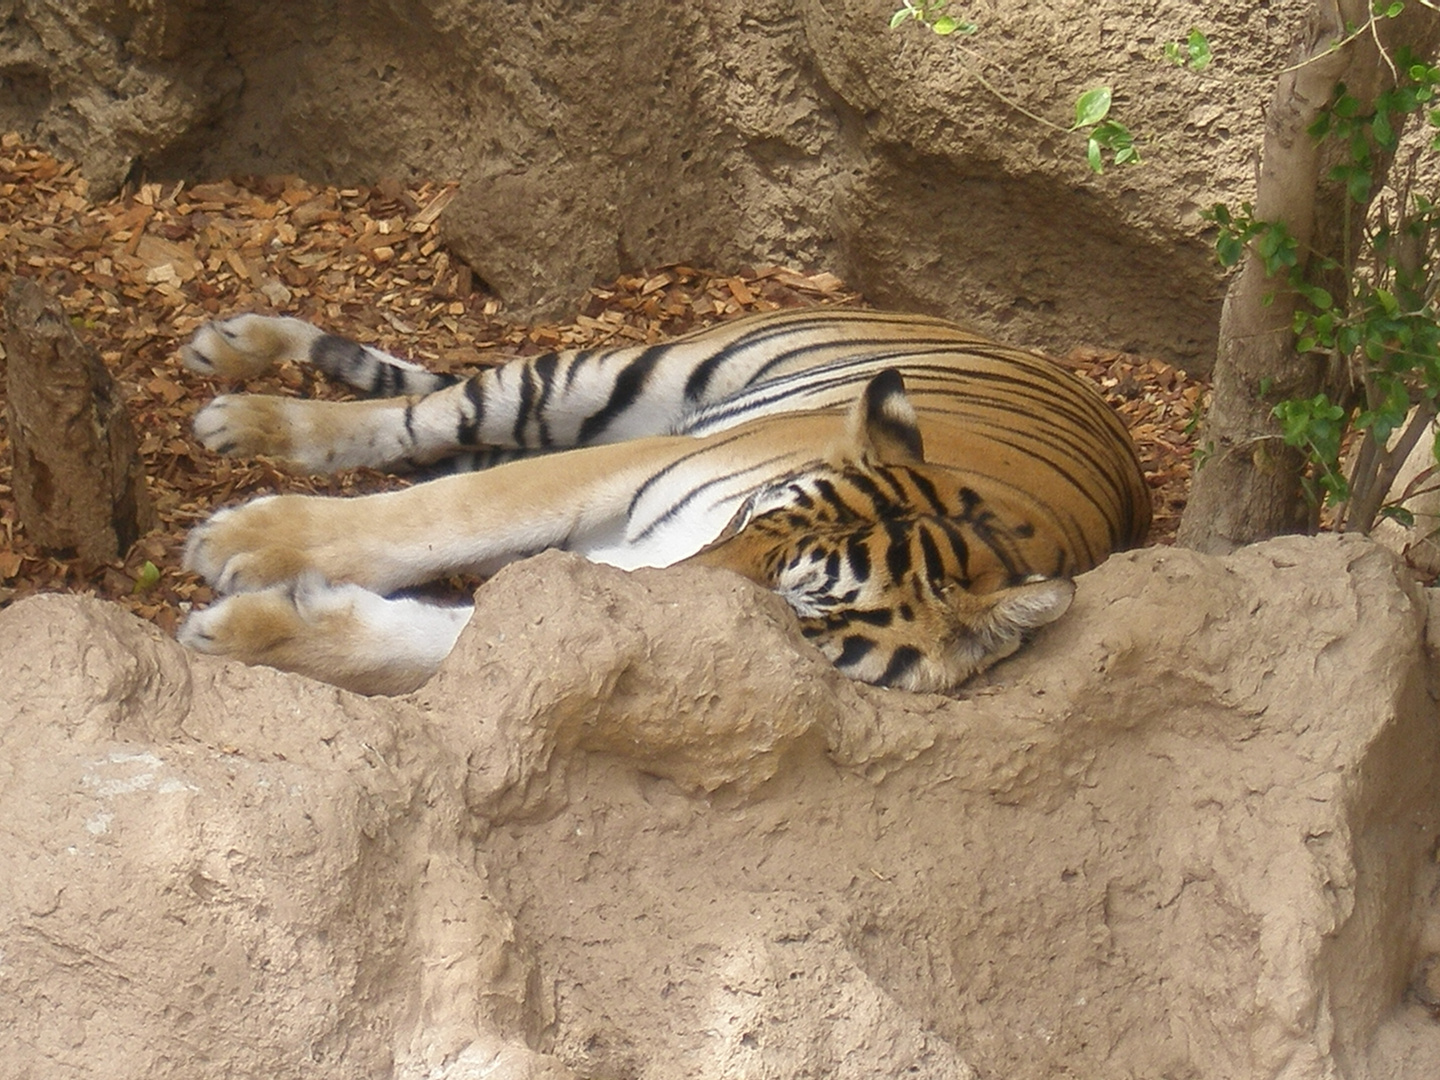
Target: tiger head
[900, 574]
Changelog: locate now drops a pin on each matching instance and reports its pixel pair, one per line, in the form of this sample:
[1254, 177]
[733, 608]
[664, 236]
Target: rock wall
[591, 138]
[1192, 831]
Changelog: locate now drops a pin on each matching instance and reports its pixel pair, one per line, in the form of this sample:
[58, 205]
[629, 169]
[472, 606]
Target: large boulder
[593, 138]
[637, 827]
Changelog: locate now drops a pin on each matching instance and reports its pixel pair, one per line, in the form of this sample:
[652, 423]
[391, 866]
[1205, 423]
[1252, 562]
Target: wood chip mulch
[138, 273]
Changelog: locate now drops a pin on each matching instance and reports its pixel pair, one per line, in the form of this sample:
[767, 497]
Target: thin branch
[1380, 48]
[1005, 99]
[1391, 462]
[1335, 47]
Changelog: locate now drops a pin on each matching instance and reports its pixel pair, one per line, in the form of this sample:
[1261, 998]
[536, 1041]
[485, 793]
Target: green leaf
[1092, 107]
[1381, 128]
[1398, 514]
[1316, 296]
[147, 577]
[1198, 46]
[899, 17]
[945, 24]
[1358, 185]
[1337, 490]
[1092, 155]
[1276, 247]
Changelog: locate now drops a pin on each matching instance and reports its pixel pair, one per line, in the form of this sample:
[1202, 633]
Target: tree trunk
[1248, 483]
[77, 479]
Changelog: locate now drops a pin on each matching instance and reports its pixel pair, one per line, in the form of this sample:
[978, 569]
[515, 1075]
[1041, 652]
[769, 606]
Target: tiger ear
[883, 424]
[997, 623]
[1034, 603]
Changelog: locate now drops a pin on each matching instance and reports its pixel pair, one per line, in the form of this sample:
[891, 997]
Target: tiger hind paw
[340, 634]
[247, 345]
[247, 425]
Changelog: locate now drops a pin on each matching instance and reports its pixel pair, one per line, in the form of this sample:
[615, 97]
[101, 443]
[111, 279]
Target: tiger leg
[244, 346]
[556, 400]
[340, 634]
[315, 436]
[477, 522]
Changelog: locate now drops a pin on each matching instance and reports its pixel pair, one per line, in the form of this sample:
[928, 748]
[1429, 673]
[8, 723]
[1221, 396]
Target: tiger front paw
[254, 546]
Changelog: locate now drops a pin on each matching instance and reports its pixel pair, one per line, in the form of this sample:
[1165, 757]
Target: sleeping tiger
[919, 495]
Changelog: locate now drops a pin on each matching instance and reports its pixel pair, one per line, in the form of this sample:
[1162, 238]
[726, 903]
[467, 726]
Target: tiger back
[920, 496]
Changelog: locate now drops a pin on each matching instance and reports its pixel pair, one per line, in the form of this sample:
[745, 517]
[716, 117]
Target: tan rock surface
[636, 828]
[594, 138]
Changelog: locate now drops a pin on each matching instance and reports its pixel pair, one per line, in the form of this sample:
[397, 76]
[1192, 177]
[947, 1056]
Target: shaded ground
[138, 273]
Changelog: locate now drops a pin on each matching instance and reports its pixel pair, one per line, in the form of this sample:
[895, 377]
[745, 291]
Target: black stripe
[524, 406]
[867, 350]
[468, 433]
[544, 368]
[623, 394]
[929, 491]
[934, 566]
[958, 548]
[897, 492]
[574, 362]
[684, 459]
[858, 554]
[763, 393]
[982, 525]
[881, 617]
[902, 660]
[699, 380]
[831, 496]
[854, 649]
[381, 381]
[760, 469]
[337, 356]
[897, 554]
[879, 501]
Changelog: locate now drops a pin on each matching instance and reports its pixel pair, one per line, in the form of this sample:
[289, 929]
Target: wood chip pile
[138, 273]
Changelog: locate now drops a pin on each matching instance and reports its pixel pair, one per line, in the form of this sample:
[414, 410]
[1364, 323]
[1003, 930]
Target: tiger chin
[919, 496]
